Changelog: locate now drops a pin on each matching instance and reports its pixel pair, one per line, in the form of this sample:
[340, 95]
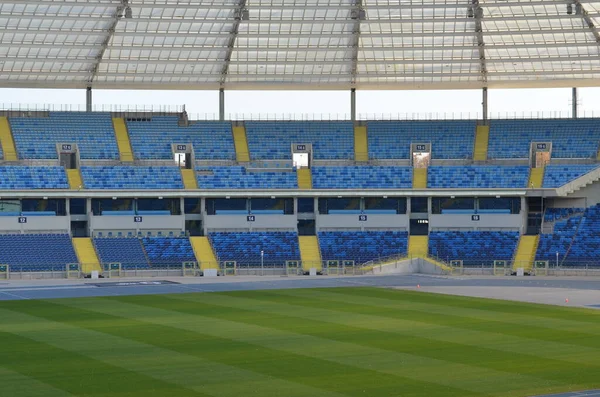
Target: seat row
[323, 177]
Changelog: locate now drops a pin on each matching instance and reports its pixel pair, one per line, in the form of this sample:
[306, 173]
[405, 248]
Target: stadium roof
[299, 44]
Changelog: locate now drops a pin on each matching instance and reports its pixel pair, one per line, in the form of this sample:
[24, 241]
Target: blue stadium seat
[237, 177]
[152, 139]
[273, 140]
[129, 177]
[570, 138]
[168, 251]
[477, 176]
[36, 137]
[449, 139]
[126, 251]
[474, 248]
[361, 177]
[18, 177]
[244, 248]
[557, 214]
[362, 247]
[557, 175]
[36, 252]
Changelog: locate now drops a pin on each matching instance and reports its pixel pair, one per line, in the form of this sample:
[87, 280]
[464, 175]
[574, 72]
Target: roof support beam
[580, 10]
[357, 15]
[476, 11]
[240, 14]
[109, 34]
[88, 99]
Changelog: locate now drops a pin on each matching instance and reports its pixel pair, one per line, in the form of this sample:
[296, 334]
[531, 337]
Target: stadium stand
[36, 137]
[166, 251]
[273, 140]
[357, 177]
[129, 177]
[474, 248]
[36, 252]
[17, 177]
[559, 240]
[129, 252]
[557, 175]
[449, 139]
[477, 176]
[362, 247]
[557, 214]
[570, 138]
[245, 248]
[238, 177]
[152, 138]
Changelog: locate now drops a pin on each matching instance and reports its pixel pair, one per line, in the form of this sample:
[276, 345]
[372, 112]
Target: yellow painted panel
[86, 254]
[123, 142]
[304, 178]
[204, 253]
[240, 140]
[6, 140]
[361, 145]
[310, 252]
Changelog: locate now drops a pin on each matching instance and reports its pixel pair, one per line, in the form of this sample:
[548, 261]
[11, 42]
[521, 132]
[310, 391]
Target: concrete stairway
[86, 254]
[123, 142]
[6, 140]
[189, 179]
[361, 146]
[240, 140]
[75, 180]
[304, 176]
[525, 253]
[204, 253]
[419, 178]
[310, 252]
[482, 138]
[536, 178]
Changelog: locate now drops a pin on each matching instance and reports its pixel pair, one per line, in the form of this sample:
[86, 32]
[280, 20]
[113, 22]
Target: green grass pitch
[295, 343]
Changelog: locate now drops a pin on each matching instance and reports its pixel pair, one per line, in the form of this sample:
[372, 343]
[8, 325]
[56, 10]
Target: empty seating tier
[362, 177]
[245, 248]
[129, 177]
[36, 137]
[26, 178]
[474, 248]
[236, 177]
[557, 175]
[478, 176]
[273, 140]
[36, 252]
[449, 139]
[559, 241]
[362, 247]
[128, 252]
[152, 138]
[165, 251]
[570, 138]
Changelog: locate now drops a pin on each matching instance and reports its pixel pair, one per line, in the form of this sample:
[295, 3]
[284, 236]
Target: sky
[449, 104]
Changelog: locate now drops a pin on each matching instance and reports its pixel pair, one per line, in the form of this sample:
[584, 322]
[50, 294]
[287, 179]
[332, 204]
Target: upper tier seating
[36, 252]
[362, 247]
[212, 140]
[16, 177]
[245, 248]
[477, 176]
[165, 251]
[558, 241]
[273, 140]
[237, 177]
[449, 139]
[557, 175]
[474, 248]
[128, 177]
[36, 137]
[126, 251]
[361, 177]
[570, 138]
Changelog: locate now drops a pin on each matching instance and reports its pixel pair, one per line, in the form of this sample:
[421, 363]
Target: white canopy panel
[299, 44]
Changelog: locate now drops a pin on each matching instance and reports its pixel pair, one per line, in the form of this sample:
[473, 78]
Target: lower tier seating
[557, 214]
[362, 247]
[125, 177]
[163, 251]
[126, 251]
[477, 176]
[558, 241]
[362, 177]
[245, 248]
[474, 248]
[236, 177]
[19, 177]
[557, 175]
[36, 252]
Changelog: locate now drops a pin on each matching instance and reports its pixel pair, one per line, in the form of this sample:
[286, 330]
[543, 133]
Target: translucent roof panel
[299, 44]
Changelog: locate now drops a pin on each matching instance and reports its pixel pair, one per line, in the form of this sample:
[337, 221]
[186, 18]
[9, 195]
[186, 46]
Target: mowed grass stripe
[507, 371]
[77, 374]
[162, 353]
[15, 384]
[314, 361]
[442, 328]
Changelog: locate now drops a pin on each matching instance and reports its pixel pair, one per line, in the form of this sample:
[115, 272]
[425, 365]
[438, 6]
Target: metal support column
[88, 99]
[574, 103]
[353, 104]
[221, 104]
[484, 104]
